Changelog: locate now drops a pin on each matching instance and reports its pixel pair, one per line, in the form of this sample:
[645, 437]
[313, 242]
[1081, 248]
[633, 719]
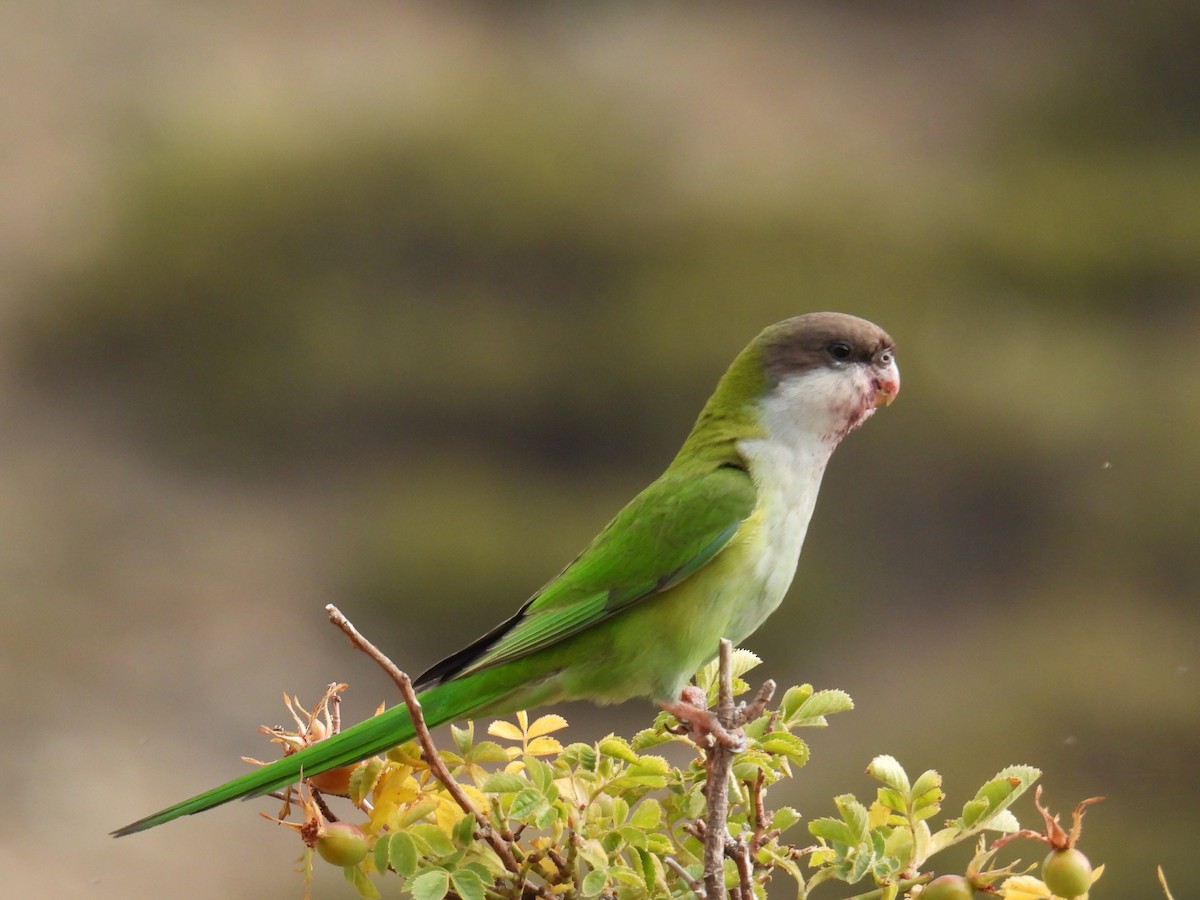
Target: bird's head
[827, 373]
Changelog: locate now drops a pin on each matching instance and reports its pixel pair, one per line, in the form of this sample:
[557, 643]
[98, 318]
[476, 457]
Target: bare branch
[432, 757]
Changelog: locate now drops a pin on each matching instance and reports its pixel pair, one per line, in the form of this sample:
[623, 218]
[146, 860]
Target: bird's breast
[787, 478]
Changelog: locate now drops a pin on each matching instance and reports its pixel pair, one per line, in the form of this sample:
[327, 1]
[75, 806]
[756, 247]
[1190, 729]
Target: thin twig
[693, 884]
[334, 707]
[432, 757]
[322, 805]
[762, 819]
[756, 706]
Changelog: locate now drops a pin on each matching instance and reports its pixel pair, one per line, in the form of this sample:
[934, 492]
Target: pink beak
[887, 385]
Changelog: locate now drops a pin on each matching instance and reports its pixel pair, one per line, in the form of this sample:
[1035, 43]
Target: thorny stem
[432, 757]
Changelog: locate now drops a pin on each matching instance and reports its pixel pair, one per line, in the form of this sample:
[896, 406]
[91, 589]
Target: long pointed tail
[444, 703]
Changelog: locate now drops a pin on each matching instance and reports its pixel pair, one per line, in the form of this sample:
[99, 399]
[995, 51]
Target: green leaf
[579, 754]
[436, 840]
[793, 699]
[488, 752]
[854, 814]
[594, 882]
[650, 765]
[402, 853]
[692, 805]
[594, 854]
[463, 737]
[1004, 821]
[973, 810]
[361, 882]
[617, 747]
[784, 818]
[782, 743]
[942, 839]
[652, 737]
[649, 872]
[627, 876]
[634, 837]
[363, 779]
[648, 815]
[525, 803]
[546, 816]
[432, 885]
[467, 884]
[417, 811]
[504, 783]
[893, 799]
[998, 794]
[380, 853]
[539, 773]
[834, 830]
[812, 712]
[928, 781]
[464, 831]
[888, 770]
[620, 809]
[659, 844]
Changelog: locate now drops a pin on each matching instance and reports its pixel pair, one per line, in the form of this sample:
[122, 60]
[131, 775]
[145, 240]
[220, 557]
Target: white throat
[804, 419]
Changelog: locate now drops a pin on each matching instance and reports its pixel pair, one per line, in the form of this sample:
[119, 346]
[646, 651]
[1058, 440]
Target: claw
[705, 728]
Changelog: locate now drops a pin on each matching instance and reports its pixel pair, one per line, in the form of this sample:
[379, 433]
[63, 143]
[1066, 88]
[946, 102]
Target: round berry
[1067, 872]
[948, 887]
[342, 844]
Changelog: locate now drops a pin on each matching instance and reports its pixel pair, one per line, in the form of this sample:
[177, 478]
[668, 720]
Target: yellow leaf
[523, 720]
[545, 725]
[395, 788]
[879, 815]
[822, 857]
[543, 746]
[1024, 887]
[505, 730]
[448, 814]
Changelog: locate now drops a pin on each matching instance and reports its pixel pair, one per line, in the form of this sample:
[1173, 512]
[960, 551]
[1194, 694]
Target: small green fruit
[342, 844]
[948, 887]
[1067, 872]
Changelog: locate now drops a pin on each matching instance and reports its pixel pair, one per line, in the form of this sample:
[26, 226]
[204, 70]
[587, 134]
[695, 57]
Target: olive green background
[392, 305]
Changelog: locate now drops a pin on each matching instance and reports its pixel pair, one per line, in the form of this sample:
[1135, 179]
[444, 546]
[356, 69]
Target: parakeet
[707, 551]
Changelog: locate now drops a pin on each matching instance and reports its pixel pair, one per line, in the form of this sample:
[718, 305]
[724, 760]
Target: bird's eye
[886, 357]
[840, 350]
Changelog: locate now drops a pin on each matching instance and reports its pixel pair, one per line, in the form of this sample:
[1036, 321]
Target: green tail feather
[441, 704]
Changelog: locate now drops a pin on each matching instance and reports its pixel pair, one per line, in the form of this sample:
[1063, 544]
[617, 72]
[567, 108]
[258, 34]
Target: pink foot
[692, 710]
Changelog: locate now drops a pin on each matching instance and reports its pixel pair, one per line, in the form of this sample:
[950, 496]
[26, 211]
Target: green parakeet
[707, 551]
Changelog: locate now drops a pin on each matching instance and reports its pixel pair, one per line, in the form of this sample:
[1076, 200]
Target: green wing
[667, 532]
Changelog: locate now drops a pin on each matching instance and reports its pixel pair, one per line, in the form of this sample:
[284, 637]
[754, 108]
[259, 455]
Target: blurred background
[392, 305]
